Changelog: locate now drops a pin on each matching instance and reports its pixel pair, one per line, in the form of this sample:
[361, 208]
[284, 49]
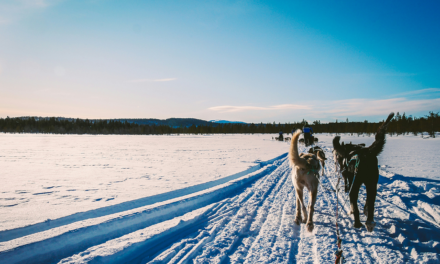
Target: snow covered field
[203, 199]
[51, 176]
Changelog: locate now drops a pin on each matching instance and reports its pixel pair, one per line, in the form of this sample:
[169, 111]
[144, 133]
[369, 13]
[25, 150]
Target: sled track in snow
[103, 211]
[248, 219]
[52, 241]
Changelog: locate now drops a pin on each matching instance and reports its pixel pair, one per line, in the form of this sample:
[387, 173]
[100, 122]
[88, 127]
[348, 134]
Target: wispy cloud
[290, 107]
[230, 108]
[349, 107]
[152, 80]
[368, 107]
[419, 92]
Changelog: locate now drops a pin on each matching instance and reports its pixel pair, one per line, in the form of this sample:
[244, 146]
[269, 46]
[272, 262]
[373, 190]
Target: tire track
[265, 214]
[226, 212]
[263, 242]
[62, 242]
[229, 239]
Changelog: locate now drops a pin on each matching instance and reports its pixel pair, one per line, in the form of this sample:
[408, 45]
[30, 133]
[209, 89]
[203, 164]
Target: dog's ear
[339, 148]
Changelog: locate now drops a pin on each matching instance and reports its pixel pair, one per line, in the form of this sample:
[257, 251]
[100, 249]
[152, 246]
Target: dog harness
[314, 171]
[351, 165]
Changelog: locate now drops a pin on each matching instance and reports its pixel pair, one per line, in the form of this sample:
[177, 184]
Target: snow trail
[249, 219]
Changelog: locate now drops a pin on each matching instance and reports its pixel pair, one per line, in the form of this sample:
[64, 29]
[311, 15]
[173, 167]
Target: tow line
[339, 257]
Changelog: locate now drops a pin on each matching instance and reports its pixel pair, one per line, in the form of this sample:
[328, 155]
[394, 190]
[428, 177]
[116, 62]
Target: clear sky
[246, 61]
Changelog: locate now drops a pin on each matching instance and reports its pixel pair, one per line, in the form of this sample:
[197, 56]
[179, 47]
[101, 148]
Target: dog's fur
[339, 159]
[319, 153]
[305, 169]
[367, 172]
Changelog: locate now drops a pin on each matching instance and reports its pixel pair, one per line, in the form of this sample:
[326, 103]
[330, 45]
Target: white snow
[203, 199]
[51, 176]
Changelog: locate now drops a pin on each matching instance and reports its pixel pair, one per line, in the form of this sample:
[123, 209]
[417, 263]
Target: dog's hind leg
[298, 210]
[348, 177]
[313, 195]
[300, 205]
[354, 206]
[369, 206]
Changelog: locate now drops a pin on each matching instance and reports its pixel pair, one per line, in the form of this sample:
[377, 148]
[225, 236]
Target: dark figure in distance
[308, 131]
[281, 138]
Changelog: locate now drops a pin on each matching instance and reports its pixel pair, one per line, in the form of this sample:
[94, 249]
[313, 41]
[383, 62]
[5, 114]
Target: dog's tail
[377, 146]
[294, 158]
[340, 150]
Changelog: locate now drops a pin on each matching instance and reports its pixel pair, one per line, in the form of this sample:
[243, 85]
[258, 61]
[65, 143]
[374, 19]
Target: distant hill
[226, 122]
[177, 122]
[172, 122]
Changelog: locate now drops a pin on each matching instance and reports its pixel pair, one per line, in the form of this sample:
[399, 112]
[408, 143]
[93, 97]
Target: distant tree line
[401, 124]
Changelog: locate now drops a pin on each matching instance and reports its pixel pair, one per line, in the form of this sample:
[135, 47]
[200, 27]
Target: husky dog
[359, 166]
[305, 168]
[339, 160]
[319, 153]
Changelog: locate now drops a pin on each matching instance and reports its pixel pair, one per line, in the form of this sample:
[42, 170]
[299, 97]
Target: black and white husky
[359, 166]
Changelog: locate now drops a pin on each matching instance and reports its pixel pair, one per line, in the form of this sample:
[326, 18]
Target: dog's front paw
[358, 225]
[297, 220]
[304, 220]
[310, 226]
[370, 225]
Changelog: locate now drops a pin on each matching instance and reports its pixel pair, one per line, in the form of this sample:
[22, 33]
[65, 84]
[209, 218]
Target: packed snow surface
[204, 199]
[51, 176]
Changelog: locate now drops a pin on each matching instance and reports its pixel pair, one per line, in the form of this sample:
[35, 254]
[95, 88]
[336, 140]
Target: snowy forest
[401, 124]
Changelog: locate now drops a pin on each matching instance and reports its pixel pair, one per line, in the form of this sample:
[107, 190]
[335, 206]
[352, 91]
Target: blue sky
[249, 61]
